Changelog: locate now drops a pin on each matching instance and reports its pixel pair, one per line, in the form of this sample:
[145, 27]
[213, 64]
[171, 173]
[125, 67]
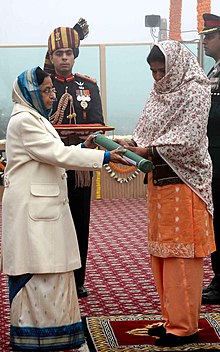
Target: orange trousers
[179, 285]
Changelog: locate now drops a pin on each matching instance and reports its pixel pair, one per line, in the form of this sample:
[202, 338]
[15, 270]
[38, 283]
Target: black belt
[163, 174]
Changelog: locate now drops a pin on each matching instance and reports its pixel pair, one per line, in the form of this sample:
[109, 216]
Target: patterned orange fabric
[179, 280]
[179, 223]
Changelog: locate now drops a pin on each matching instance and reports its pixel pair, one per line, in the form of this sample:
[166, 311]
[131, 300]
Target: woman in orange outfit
[172, 132]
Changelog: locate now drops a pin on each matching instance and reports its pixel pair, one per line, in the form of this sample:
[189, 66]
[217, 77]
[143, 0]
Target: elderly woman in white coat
[39, 244]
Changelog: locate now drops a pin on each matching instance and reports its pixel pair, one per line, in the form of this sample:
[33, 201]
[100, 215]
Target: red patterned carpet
[118, 277]
[129, 333]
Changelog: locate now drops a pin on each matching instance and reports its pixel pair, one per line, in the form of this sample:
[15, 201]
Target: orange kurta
[179, 222]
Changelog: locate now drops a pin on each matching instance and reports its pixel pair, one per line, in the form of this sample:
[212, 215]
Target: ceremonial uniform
[88, 110]
[211, 32]
[86, 98]
[214, 150]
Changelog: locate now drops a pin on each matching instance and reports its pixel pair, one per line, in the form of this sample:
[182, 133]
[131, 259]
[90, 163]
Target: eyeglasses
[49, 91]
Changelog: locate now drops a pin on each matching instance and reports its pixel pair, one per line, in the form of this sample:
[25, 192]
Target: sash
[15, 284]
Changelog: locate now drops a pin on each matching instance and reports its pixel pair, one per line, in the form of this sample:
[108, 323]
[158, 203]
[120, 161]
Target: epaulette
[87, 78]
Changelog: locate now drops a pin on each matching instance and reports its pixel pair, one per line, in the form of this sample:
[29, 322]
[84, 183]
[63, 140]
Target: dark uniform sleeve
[214, 125]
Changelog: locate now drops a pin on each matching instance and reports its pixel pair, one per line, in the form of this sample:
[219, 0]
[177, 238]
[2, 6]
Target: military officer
[78, 101]
[211, 43]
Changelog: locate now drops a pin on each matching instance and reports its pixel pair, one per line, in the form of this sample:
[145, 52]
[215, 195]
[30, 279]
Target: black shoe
[81, 291]
[157, 331]
[211, 297]
[208, 288]
[171, 340]
[211, 286]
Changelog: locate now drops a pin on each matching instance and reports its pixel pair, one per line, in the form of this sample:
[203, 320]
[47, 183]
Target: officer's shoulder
[86, 78]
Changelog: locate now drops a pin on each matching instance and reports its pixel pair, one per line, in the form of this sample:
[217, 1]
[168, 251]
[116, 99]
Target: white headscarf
[175, 119]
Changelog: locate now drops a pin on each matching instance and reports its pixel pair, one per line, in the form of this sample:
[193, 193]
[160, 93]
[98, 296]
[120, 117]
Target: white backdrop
[113, 21]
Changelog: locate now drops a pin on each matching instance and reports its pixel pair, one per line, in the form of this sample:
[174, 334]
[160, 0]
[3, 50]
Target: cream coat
[38, 231]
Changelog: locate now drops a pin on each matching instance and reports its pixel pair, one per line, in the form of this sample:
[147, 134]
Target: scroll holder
[142, 164]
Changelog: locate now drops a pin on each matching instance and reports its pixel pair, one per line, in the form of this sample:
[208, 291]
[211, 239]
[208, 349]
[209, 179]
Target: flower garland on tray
[119, 169]
[111, 168]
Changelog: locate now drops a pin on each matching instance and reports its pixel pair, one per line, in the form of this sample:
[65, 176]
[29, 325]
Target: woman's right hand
[120, 142]
[139, 151]
[125, 143]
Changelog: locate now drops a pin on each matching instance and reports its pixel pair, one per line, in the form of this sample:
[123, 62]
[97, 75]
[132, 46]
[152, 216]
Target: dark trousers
[79, 202]
[215, 256]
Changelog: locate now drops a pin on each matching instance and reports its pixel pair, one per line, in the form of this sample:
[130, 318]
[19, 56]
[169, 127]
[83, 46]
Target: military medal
[83, 96]
[214, 83]
[84, 104]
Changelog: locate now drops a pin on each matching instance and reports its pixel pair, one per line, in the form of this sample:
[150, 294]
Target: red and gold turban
[65, 37]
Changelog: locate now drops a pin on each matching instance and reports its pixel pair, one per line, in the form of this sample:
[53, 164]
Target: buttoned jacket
[38, 234]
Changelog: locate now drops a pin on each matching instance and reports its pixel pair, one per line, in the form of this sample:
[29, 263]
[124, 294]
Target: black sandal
[171, 340]
[157, 331]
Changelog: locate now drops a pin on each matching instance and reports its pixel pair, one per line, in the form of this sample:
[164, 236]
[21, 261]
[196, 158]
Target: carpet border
[98, 345]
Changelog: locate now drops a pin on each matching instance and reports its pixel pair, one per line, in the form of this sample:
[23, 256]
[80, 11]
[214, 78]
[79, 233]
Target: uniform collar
[62, 79]
[214, 70]
[217, 63]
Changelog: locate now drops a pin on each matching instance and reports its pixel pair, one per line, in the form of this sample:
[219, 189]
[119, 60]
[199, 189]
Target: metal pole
[201, 52]
[103, 84]
[163, 29]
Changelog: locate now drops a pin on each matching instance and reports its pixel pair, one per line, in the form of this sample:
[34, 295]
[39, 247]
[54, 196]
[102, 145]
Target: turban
[65, 37]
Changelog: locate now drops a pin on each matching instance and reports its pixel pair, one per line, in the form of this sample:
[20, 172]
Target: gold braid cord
[58, 116]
